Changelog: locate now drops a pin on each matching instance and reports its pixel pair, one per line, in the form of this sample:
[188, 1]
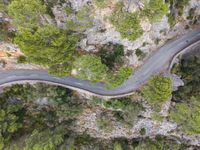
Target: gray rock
[78, 4]
[176, 82]
[60, 16]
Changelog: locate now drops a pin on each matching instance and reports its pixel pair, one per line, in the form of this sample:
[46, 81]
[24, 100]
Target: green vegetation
[179, 5]
[29, 120]
[188, 70]
[26, 13]
[48, 46]
[91, 68]
[104, 123]
[159, 143]
[124, 110]
[172, 20]
[157, 117]
[55, 48]
[117, 146]
[143, 131]
[119, 78]
[3, 6]
[4, 36]
[155, 10]
[140, 54]
[111, 55]
[128, 24]
[10, 121]
[21, 59]
[40, 113]
[45, 140]
[101, 3]
[158, 90]
[84, 20]
[187, 113]
[188, 116]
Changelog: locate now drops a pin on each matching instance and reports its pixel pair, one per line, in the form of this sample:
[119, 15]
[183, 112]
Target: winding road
[159, 61]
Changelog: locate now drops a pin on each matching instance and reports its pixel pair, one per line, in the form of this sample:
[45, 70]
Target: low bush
[187, 115]
[90, 67]
[155, 10]
[128, 24]
[158, 89]
[101, 3]
[26, 13]
[117, 79]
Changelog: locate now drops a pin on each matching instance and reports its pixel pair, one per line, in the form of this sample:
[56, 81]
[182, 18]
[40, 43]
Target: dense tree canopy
[40, 110]
[111, 55]
[187, 113]
[190, 73]
[26, 13]
[158, 90]
[10, 120]
[91, 68]
[45, 140]
[48, 46]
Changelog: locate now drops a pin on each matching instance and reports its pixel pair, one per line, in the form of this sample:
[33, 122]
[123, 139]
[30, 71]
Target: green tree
[90, 67]
[50, 47]
[84, 20]
[45, 140]
[188, 70]
[128, 24]
[117, 146]
[155, 10]
[187, 115]
[118, 78]
[158, 89]
[111, 55]
[10, 121]
[26, 13]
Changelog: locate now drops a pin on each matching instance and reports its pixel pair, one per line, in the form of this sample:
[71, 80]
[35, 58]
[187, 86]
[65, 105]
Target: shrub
[125, 111]
[140, 54]
[142, 131]
[120, 77]
[26, 13]
[84, 20]
[117, 146]
[4, 35]
[158, 89]
[187, 115]
[90, 68]
[112, 55]
[188, 70]
[159, 143]
[101, 3]
[104, 123]
[45, 140]
[155, 10]
[128, 24]
[50, 47]
[21, 59]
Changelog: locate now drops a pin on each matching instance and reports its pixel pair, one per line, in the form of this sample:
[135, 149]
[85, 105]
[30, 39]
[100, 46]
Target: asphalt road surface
[155, 64]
